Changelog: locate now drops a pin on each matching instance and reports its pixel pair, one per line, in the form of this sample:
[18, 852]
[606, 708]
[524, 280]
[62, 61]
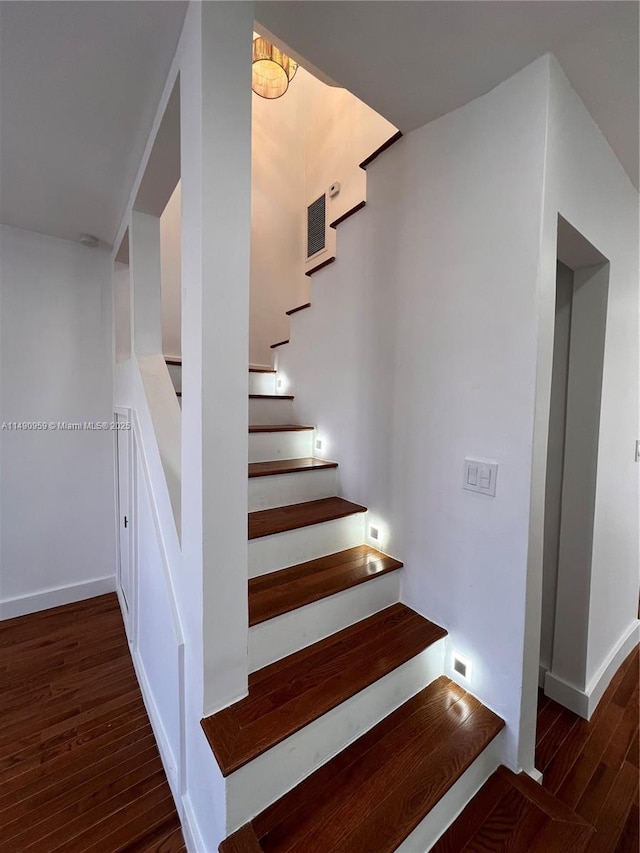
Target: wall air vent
[316, 226]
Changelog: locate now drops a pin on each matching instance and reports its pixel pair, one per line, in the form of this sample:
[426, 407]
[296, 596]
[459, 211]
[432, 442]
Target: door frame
[128, 608]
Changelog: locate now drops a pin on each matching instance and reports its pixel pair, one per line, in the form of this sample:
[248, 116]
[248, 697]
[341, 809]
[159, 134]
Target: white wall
[122, 311]
[301, 143]
[420, 349]
[170, 273]
[56, 487]
[586, 185]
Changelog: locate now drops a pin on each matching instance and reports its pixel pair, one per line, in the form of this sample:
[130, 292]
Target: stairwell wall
[302, 143]
[420, 350]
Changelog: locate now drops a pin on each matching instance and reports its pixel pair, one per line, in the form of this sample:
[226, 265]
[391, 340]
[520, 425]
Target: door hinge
[126, 521]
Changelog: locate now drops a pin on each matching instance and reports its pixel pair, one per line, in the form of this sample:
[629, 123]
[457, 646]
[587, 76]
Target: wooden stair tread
[348, 214]
[544, 799]
[271, 396]
[280, 592]
[266, 522]
[253, 428]
[290, 693]
[279, 344]
[320, 266]
[262, 370]
[376, 791]
[512, 812]
[299, 308]
[288, 466]
[392, 139]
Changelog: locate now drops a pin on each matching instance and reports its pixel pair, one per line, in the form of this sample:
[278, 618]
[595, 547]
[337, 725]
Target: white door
[123, 450]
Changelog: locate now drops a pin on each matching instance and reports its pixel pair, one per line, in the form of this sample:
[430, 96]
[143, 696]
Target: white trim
[584, 701]
[190, 828]
[535, 774]
[47, 598]
[542, 674]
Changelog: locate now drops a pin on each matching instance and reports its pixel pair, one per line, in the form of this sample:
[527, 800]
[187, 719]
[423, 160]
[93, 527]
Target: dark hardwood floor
[589, 796]
[79, 766]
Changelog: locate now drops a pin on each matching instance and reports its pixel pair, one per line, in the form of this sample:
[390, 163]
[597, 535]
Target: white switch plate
[480, 476]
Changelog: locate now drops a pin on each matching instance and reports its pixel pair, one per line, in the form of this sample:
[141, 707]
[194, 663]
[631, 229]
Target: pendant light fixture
[272, 70]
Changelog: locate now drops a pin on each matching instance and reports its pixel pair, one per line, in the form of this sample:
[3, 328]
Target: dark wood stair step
[299, 308]
[349, 213]
[512, 812]
[288, 466]
[385, 145]
[253, 428]
[377, 790]
[271, 396]
[279, 344]
[320, 266]
[289, 694]
[262, 370]
[266, 522]
[287, 589]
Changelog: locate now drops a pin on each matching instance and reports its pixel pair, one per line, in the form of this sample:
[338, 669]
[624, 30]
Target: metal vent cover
[316, 226]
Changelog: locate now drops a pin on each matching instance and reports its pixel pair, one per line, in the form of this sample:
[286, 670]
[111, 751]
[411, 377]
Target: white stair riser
[262, 383]
[267, 446]
[447, 809]
[259, 783]
[271, 411]
[286, 634]
[269, 553]
[284, 489]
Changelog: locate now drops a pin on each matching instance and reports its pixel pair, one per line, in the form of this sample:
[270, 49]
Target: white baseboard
[584, 702]
[542, 674]
[167, 756]
[47, 598]
[190, 830]
[535, 774]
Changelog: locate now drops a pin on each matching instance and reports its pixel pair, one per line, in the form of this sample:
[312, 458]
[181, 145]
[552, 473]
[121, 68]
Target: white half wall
[57, 502]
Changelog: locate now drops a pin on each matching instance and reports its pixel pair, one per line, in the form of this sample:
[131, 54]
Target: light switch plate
[480, 476]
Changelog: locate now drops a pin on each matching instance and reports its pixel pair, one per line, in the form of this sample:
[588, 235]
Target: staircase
[350, 738]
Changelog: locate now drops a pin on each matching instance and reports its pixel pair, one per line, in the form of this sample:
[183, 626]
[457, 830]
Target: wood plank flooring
[79, 766]
[588, 802]
[287, 695]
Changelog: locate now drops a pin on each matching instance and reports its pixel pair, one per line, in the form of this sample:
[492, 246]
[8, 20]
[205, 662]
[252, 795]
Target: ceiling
[80, 81]
[79, 87]
[415, 61]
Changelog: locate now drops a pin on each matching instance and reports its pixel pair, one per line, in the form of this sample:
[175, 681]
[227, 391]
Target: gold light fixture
[272, 70]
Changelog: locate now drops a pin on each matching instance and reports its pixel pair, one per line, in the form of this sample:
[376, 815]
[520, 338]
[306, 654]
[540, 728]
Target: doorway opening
[582, 283]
